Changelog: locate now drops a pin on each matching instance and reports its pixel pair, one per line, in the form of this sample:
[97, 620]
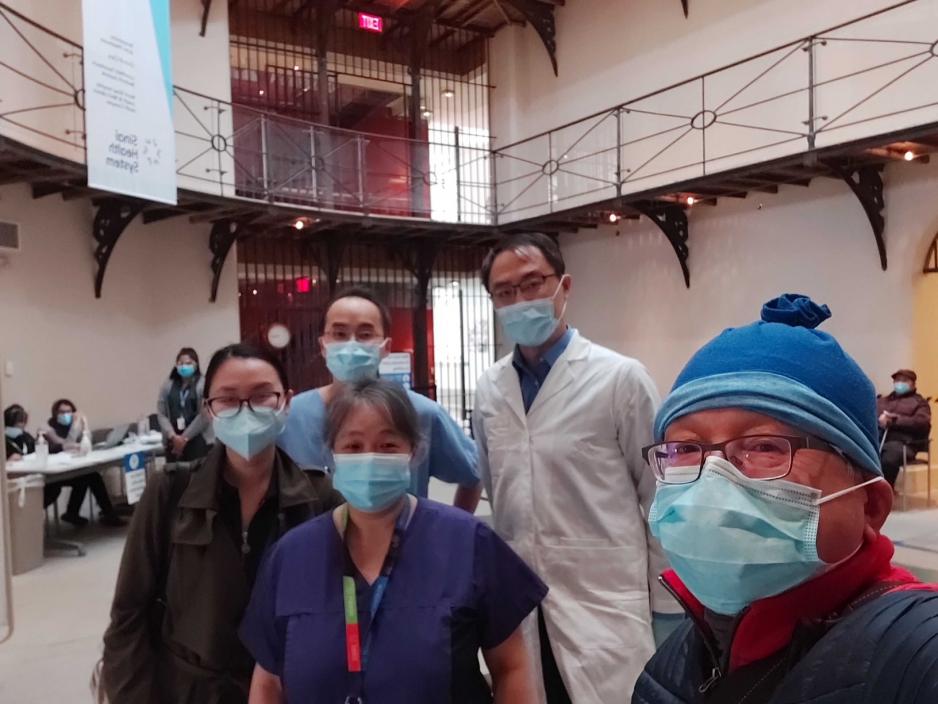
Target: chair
[910, 456]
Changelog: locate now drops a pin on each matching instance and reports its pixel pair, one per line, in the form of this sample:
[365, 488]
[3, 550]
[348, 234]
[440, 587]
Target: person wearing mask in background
[196, 542]
[905, 419]
[18, 442]
[64, 429]
[354, 339]
[424, 586]
[63, 432]
[186, 428]
[770, 504]
[560, 423]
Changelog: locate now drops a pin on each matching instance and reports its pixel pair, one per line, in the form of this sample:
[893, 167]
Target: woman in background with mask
[354, 338]
[403, 592]
[197, 540]
[187, 430]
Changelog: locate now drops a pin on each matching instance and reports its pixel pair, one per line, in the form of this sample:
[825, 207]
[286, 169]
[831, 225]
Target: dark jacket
[914, 421]
[197, 656]
[863, 633]
[23, 445]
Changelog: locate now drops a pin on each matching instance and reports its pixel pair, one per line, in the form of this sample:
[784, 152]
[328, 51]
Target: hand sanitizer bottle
[42, 451]
[85, 447]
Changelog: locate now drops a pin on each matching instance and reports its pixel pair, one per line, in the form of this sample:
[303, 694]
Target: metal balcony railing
[235, 151]
[873, 76]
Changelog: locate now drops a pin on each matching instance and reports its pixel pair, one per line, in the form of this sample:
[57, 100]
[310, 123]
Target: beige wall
[109, 355]
[629, 294]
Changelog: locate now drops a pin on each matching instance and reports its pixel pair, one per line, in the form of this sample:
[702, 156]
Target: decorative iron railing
[876, 75]
[239, 152]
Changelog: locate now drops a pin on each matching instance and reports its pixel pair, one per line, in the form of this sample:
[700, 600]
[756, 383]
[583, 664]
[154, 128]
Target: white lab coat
[568, 488]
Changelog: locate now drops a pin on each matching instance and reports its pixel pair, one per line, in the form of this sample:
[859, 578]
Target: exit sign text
[370, 23]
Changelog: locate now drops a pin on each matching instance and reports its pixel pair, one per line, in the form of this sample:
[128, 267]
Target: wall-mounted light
[691, 200]
[909, 155]
[260, 92]
[299, 224]
[613, 218]
[448, 93]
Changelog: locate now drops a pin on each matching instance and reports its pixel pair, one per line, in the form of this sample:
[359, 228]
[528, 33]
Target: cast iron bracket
[206, 7]
[866, 182]
[684, 3]
[223, 235]
[672, 221]
[541, 17]
[112, 218]
[931, 259]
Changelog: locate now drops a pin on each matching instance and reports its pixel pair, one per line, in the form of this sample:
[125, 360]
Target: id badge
[180, 424]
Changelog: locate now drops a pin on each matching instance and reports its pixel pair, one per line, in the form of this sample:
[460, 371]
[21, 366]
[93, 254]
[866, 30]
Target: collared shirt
[533, 378]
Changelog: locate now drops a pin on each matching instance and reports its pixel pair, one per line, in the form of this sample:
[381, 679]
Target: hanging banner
[130, 141]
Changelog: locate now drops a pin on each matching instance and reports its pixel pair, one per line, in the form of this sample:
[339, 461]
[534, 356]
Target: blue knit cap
[784, 368]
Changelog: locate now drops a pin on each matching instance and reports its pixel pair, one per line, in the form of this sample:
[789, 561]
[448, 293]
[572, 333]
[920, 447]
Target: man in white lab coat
[560, 424]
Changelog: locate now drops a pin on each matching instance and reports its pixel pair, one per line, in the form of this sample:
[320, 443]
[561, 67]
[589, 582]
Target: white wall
[613, 51]
[629, 293]
[109, 355]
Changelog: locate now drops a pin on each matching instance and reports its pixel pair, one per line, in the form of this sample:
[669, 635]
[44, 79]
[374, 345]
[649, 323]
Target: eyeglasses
[760, 457]
[367, 335]
[230, 406]
[504, 294]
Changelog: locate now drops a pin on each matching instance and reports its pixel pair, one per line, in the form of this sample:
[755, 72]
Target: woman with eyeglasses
[197, 540]
[390, 599]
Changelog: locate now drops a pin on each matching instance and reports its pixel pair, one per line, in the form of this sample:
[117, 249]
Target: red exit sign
[370, 23]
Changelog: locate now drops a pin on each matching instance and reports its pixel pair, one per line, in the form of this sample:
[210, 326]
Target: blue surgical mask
[353, 361]
[372, 482]
[185, 370]
[902, 388]
[733, 540]
[64, 419]
[13, 433]
[530, 323]
[250, 432]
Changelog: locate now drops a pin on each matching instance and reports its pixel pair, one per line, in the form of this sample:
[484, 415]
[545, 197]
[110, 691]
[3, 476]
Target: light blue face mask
[530, 323]
[902, 388]
[250, 432]
[372, 482]
[185, 370]
[64, 419]
[733, 540]
[353, 361]
[13, 432]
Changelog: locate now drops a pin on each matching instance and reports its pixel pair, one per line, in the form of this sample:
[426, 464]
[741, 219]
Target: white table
[63, 466]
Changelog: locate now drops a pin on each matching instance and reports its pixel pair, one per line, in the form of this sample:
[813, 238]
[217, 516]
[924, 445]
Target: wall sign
[130, 139]
[135, 476]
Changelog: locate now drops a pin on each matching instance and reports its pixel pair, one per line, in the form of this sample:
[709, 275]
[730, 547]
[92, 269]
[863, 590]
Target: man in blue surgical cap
[769, 507]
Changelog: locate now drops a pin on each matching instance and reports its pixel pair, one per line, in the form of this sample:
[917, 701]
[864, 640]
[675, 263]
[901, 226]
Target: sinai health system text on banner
[129, 97]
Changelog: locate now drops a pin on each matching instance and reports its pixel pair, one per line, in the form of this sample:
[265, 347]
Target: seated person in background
[19, 443]
[769, 507]
[63, 432]
[905, 418]
[65, 428]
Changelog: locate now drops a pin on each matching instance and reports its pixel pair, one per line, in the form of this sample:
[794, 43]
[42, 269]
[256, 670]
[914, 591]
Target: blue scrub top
[448, 454]
[456, 588]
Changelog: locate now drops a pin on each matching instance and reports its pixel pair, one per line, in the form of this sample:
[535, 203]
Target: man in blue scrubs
[354, 339]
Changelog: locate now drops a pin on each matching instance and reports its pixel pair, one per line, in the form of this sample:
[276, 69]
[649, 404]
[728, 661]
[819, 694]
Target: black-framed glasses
[504, 294]
[230, 406]
[760, 457]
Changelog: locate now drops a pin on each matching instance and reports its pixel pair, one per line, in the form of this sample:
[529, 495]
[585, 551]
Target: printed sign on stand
[128, 96]
[135, 476]
[398, 366]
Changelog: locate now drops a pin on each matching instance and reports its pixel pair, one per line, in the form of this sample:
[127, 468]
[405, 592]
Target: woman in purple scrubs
[389, 599]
